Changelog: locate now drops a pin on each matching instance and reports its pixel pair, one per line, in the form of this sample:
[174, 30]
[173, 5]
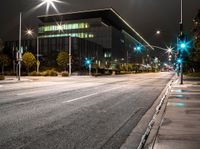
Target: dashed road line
[75, 99]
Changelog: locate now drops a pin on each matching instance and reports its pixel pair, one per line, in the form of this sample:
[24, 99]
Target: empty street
[76, 112]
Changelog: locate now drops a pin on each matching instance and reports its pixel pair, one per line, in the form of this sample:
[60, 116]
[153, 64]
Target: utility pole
[70, 55]
[20, 50]
[37, 55]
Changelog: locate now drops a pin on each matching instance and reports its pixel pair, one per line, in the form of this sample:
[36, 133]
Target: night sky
[145, 16]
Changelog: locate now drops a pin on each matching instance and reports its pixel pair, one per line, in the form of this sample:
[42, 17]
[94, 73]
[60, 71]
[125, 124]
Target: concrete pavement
[76, 112]
[179, 124]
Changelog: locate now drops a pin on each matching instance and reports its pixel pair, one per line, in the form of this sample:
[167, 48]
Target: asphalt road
[76, 112]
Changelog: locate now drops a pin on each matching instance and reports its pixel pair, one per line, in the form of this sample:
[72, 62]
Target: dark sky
[145, 16]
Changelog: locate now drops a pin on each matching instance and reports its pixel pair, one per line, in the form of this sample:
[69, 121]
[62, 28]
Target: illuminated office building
[101, 35]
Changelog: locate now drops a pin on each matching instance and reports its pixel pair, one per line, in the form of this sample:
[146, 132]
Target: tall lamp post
[19, 53]
[70, 55]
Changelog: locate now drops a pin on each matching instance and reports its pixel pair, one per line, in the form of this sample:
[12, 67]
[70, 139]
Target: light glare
[158, 32]
[29, 32]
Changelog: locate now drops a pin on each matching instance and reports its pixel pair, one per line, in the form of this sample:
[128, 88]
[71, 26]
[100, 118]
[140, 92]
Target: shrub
[34, 73]
[2, 77]
[50, 73]
[194, 74]
[10, 73]
[65, 74]
[96, 74]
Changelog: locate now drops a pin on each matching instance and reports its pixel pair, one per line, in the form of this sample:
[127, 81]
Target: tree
[4, 61]
[29, 60]
[195, 55]
[1, 44]
[63, 59]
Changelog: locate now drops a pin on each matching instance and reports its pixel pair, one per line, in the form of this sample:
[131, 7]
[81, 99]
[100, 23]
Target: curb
[140, 133]
[158, 109]
[151, 138]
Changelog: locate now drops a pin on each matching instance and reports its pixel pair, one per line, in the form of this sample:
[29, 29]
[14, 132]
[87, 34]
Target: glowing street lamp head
[50, 3]
[169, 50]
[158, 32]
[29, 32]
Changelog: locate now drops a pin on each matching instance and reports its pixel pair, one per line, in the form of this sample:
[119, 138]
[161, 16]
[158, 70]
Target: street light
[29, 32]
[169, 50]
[50, 3]
[43, 2]
[158, 32]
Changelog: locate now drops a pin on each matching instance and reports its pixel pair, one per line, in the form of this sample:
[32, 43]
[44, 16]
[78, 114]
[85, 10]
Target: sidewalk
[12, 79]
[180, 123]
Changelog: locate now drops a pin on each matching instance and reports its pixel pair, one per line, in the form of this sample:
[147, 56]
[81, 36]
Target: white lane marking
[176, 81]
[27, 93]
[1, 86]
[72, 100]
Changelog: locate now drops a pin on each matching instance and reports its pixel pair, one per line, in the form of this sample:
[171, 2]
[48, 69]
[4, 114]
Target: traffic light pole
[90, 69]
[181, 54]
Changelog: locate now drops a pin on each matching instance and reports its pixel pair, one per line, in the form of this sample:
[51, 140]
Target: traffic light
[138, 48]
[183, 44]
[179, 60]
[87, 61]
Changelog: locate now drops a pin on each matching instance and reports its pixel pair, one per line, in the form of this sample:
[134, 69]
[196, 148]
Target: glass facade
[91, 38]
[62, 27]
[79, 35]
